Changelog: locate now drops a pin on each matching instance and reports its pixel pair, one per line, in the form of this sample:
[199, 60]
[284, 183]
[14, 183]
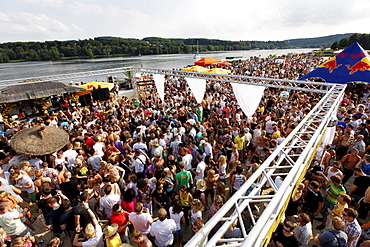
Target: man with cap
[156, 150]
[163, 229]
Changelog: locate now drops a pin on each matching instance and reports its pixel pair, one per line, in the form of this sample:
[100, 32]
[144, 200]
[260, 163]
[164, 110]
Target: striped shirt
[335, 190]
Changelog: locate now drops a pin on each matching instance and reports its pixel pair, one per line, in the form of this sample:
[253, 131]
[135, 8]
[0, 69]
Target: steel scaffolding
[291, 158]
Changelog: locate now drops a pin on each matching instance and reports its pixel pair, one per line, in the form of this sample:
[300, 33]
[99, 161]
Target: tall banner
[159, 84]
[248, 97]
[198, 88]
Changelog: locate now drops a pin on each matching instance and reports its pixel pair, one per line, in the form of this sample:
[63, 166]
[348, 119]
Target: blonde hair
[198, 205]
[54, 242]
[255, 167]
[38, 173]
[222, 160]
[168, 173]
[90, 230]
[338, 223]
[211, 173]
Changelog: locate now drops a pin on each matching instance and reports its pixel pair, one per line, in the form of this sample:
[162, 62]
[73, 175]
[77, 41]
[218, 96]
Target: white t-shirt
[201, 167]
[99, 148]
[222, 170]
[176, 218]
[141, 222]
[187, 161]
[195, 216]
[97, 241]
[107, 202]
[139, 163]
[23, 182]
[163, 232]
[11, 223]
[71, 155]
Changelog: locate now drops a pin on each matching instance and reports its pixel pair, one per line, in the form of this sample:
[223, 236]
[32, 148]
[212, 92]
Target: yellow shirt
[114, 241]
[338, 210]
[239, 141]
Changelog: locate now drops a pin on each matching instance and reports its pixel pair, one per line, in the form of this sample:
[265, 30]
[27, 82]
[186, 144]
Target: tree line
[113, 46]
[363, 39]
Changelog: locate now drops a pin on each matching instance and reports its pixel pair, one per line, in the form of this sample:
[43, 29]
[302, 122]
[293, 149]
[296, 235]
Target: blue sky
[41, 20]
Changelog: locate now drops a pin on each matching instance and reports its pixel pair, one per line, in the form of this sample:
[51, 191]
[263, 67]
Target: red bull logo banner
[351, 65]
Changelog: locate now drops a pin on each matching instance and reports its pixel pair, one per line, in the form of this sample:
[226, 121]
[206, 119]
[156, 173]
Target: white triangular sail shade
[248, 97]
[198, 88]
[159, 84]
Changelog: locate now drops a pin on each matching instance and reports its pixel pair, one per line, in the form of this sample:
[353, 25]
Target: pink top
[128, 206]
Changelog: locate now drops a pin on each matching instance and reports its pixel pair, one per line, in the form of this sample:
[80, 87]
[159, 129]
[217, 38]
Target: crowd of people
[144, 172]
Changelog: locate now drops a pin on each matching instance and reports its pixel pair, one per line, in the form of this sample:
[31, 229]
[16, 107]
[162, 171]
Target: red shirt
[90, 142]
[120, 219]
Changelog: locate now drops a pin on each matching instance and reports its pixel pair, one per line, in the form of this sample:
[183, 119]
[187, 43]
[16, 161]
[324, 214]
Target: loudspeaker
[101, 94]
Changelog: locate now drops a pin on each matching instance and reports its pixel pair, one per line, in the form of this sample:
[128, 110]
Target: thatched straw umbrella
[39, 140]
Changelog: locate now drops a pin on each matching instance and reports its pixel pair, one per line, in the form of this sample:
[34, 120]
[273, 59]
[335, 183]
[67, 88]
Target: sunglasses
[345, 214]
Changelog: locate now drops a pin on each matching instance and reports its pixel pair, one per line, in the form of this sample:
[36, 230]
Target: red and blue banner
[351, 65]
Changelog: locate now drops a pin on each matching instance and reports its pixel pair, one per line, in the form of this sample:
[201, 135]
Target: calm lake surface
[10, 71]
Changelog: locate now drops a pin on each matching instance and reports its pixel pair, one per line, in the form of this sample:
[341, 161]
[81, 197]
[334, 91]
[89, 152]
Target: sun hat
[201, 184]
[109, 231]
[219, 199]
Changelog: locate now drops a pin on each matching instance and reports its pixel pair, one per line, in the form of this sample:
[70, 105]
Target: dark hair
[115, 207]
[176, 207]
[239, 169]
[84, 196]
[315, 184]
[107, 178]
[351, 212]
[305, 218]
[66, 203]
[59, 167]
[141, 183]
[336, 179]
[108, 189]
[46, 190]
[129, 195]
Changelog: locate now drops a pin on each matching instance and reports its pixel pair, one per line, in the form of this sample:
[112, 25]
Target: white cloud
[228, 20]
[46, 3]
[23, 24]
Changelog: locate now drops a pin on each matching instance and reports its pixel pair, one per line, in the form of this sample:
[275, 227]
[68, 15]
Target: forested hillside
[319, 42]
[113, 46]
[362, 39]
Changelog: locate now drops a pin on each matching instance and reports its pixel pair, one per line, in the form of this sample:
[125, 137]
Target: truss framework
[291, 158]
[6, 83]
[319, 87]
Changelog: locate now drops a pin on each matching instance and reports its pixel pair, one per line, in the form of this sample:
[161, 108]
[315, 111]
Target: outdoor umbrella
[225, 63]
[196, 68]
[219, 71]
[39, 140]
[207, 61]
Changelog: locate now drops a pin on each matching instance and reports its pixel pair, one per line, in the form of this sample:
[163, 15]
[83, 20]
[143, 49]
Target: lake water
[10, 71]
